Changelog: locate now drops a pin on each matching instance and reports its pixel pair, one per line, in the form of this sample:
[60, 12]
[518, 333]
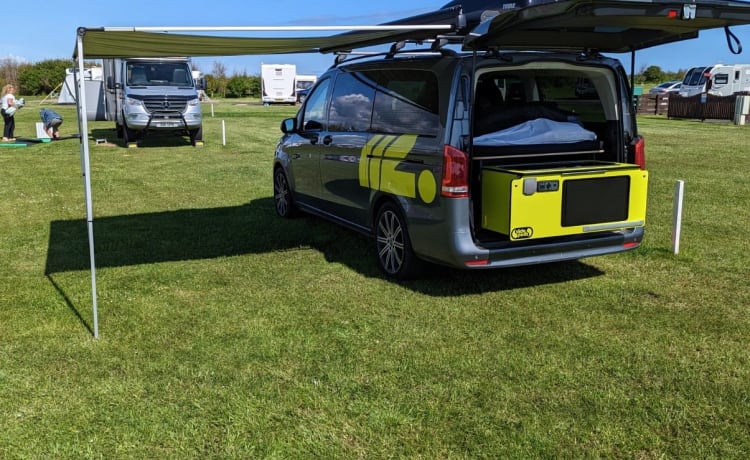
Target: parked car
[668, 87]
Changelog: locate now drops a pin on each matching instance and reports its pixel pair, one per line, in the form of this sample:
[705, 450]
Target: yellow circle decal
[427, 186]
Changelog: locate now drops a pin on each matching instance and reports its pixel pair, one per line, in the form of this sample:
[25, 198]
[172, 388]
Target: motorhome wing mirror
[200, 84]
[110, 83]
[289, 125]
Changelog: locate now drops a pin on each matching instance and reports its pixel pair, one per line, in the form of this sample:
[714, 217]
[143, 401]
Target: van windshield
[159, 74]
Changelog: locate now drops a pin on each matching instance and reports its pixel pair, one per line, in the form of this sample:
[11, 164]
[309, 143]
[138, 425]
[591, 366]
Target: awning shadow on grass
[254, 228]
[185, 234]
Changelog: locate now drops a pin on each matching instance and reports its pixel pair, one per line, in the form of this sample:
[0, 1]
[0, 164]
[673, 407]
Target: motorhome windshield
[695, 76]
[159, 74]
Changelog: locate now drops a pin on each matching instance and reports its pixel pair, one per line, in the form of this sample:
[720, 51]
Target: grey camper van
[145, 95]
[490, 155]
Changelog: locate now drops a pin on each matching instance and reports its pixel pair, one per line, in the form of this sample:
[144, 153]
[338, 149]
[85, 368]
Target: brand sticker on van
[378, 168]
[521, 233]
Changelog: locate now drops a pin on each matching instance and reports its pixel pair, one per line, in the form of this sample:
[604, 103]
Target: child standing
[8, 111]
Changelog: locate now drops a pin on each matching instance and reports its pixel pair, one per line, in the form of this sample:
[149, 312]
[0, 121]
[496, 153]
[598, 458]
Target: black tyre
[196, 135]
[282, 195]
[395, 255]
[128, 135]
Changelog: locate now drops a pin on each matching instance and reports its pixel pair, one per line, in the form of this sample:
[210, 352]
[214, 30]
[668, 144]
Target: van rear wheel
[395, 255]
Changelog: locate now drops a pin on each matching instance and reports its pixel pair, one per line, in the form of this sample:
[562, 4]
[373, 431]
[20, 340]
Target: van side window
[406, 101]
[721, 78]
[351, 103]
[314, 116]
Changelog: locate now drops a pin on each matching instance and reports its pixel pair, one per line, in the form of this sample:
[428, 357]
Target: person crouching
[52, 121]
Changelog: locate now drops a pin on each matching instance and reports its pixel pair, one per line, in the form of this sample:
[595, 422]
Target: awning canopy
[147, 42]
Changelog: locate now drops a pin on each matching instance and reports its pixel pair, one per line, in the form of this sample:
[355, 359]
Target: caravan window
[721, 79]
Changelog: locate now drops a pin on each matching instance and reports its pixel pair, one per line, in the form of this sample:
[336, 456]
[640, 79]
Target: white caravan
[277, 83]
[717, 80]
[145, 95]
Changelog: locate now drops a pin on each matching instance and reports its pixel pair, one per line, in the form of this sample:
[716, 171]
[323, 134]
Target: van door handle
[328, 139]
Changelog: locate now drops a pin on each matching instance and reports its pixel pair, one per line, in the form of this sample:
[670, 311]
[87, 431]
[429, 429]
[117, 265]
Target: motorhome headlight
[133, 102]
[194, 102]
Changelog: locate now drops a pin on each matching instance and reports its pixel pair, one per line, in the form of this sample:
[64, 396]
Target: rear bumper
[447, 243]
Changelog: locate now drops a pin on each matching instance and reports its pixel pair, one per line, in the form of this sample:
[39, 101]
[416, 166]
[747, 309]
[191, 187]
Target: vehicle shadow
[254, 228]
[154, 139]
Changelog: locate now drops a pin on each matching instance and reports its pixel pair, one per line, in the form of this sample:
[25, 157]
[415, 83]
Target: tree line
[44, 77]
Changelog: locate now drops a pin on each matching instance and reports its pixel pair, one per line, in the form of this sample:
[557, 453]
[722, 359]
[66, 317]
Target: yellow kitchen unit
[527, 202]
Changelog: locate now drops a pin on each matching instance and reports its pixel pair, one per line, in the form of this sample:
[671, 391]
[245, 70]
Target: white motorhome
[145, 95]
[303, 84]
[278, 83]
[717, 80]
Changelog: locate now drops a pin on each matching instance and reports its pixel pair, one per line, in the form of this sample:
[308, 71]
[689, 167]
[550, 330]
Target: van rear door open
[613, 26]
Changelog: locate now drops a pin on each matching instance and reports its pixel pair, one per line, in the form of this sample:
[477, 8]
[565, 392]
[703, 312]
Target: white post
[212, 110]
[223, 133]
[679, 193]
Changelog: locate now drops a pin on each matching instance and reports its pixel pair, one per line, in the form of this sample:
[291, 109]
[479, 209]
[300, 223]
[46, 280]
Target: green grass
[227, 332]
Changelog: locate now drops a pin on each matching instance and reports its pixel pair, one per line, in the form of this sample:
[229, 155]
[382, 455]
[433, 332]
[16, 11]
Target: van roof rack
[436, 47]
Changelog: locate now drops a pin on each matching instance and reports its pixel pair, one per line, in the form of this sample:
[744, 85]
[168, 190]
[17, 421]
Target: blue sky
[51, 33]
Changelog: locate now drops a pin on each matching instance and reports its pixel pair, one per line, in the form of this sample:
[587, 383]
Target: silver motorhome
[717, 80]
[145, 95]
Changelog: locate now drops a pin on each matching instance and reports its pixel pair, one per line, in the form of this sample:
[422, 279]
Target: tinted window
[406, 101]
[313, 117]
[351, 103]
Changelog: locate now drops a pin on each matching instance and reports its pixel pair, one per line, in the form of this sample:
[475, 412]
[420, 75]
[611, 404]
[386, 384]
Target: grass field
[227, 332]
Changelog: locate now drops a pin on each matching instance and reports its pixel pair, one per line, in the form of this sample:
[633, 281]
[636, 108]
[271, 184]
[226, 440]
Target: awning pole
[86, 170]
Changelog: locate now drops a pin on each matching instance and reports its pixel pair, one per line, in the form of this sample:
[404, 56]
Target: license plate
[168, 124]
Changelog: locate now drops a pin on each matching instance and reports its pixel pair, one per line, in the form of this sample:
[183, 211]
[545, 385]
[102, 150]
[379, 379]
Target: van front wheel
[395, 255]
[282, 195]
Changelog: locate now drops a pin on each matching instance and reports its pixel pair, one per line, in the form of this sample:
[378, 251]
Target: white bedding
[539, 131]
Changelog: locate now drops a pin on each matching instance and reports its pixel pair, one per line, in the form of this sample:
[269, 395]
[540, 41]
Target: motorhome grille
[165, 105]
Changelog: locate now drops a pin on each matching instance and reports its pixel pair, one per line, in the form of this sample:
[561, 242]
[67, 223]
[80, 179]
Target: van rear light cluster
[640, 152]
[455, 180]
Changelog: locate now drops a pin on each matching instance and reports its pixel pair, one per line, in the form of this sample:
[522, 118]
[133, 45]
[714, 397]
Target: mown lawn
[226, 332]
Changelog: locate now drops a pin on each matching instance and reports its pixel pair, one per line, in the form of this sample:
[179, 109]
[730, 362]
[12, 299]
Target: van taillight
[455, 181]
[640, 152]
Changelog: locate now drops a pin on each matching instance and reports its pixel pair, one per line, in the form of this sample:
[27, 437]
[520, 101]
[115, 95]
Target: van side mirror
[289, 125]
[200, 84]
[110, 83]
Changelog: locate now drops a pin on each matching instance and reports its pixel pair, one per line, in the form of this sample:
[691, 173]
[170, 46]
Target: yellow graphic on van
[379, 159]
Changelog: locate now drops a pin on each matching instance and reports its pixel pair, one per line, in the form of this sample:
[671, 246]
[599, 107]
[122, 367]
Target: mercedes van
[482, 157]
